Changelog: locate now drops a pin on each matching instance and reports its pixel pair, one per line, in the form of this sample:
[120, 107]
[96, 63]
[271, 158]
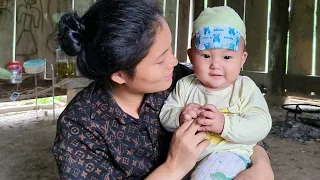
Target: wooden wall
[36, 23]
[6, 35]
[301, 37]
[304, 60]
[256, 23]
[36, 30]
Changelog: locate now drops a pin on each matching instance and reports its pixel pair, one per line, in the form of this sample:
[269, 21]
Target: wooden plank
[198, 8]
[183, 30]
[81, 6]
[160, 4]
[6, 33]
[256, 22]
[279, 24]
[302, 85]
[170, 15]
[318, 41]
[37, 28]
[27, 90]
[212, 3]
[301, 37]
[237, 5]
[259, 78]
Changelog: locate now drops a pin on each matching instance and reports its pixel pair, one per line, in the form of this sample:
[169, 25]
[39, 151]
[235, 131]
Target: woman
[111, 129]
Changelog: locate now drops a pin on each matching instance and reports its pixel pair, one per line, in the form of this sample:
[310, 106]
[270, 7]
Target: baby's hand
[211, 119]
[190, 112]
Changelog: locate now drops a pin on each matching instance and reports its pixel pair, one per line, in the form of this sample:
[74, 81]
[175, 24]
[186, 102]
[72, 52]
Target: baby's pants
[221, 166]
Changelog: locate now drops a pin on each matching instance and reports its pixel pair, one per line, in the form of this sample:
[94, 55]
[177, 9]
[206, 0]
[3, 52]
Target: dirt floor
[25, 150]
[292, 159]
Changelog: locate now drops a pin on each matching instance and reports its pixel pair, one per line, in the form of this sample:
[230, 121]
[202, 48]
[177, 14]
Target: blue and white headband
[217, 37]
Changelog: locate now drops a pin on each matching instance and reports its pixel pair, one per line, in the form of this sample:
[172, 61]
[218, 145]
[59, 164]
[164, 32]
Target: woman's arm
[185, 149]
[261, 167]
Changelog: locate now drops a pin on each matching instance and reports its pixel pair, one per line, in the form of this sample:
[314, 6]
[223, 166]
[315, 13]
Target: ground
[25, 149]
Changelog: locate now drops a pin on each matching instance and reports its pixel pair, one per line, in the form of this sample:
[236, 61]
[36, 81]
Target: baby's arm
[254, 121]
[175, 111]
[173, 106]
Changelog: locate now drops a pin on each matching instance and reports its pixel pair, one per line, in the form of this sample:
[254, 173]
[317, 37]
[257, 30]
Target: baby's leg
[221, 166]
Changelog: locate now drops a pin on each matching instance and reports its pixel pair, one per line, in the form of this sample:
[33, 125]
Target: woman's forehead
[162, 40]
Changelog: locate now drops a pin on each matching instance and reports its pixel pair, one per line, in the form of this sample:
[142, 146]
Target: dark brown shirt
[96, 140]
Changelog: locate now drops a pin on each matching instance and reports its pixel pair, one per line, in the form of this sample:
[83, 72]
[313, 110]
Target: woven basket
[6, 3]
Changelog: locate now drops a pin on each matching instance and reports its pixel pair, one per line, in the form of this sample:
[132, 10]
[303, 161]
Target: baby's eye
[206, 56]
[227, 57]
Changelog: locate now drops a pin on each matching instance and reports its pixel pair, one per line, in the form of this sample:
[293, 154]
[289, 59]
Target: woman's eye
[160, 62]
[206, 56]
[227, 57]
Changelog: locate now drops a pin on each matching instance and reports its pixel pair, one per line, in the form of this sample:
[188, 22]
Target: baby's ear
[244, 58]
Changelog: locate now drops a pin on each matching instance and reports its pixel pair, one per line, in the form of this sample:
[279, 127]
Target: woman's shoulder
[180, 71]
[85, 102]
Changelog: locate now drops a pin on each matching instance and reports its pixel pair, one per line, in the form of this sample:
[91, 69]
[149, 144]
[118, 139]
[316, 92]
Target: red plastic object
[15, 65]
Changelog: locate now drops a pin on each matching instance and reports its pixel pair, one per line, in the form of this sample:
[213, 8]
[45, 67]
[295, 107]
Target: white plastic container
[34, 66]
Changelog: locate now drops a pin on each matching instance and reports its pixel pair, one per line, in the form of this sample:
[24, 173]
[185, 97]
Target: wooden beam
[301, 37]
[160, 3]
[302, 85]
[81, 6]
[259, 78]
[238, 6]
[256, 21]
[170, 15]
[318, 41]
[183, 30]
[212, 3]
[198, 8]
[27, 90]
[279, 24]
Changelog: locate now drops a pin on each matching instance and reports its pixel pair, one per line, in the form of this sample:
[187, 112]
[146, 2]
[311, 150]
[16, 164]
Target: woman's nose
[173, 61]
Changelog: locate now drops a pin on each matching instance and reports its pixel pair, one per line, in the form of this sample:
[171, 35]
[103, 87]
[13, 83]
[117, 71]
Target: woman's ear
[119, 77]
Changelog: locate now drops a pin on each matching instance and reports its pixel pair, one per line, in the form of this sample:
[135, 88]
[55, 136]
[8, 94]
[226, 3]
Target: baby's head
[218, 47]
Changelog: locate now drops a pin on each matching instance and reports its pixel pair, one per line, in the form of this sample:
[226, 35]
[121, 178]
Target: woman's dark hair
[112, 35]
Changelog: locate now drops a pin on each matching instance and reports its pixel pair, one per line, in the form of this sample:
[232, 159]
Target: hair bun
[70, 33]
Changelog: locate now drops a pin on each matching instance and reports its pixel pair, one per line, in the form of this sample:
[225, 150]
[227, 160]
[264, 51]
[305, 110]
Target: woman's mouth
[169, 77]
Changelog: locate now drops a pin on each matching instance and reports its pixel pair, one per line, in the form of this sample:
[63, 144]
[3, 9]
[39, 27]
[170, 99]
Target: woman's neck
[128, 101]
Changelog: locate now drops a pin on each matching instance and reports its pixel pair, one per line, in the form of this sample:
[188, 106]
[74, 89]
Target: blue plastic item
[34, 66]
[34, 62]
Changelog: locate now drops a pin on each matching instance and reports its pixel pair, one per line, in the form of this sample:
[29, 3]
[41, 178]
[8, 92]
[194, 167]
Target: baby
[229, 107]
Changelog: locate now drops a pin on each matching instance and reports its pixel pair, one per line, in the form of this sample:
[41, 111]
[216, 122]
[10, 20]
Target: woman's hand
[260, 169]
[185, 149]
